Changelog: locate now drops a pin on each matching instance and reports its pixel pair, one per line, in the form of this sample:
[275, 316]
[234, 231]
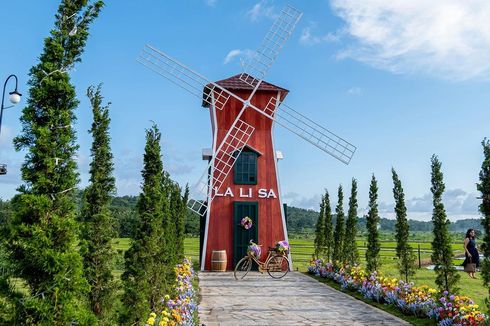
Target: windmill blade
[257, 66]
[183, 77]
[220, 166]
[309, 130]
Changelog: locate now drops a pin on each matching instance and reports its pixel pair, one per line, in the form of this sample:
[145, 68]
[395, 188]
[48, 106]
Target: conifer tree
[180, 224]
[145, 275]
[350, 245]
[320, 231]
[442, 254]
[339, 235]
[484, 188]
[97, 221]
[44, 236]
[404, 251]
[329, 240]
[372, 220]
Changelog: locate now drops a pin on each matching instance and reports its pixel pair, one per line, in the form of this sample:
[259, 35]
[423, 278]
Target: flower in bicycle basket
[246, 222]
[254, 249]
[282, 247]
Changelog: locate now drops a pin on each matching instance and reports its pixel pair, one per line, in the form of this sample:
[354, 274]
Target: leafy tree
[97, 221]
[329, 240]
[145, 275]
[484, 188]
[404, 252]
[350, 245]
[43, 236]
[442, 256]
[320, 230]
[372, 220]
[338, 245]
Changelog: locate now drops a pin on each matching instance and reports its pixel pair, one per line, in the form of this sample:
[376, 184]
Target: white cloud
[354, 91]
[296, 200]
[211, 3]
[247, 53]
[232, 54]
[307, 37]
[261, 9]
[449, 39]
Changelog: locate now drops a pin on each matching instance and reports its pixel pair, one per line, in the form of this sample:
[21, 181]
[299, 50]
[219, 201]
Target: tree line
[56, 255]
[335, 238]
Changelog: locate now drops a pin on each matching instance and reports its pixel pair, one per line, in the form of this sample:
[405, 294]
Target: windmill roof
[235, 83]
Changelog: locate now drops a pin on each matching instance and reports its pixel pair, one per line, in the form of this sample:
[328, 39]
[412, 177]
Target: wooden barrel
[218, 261]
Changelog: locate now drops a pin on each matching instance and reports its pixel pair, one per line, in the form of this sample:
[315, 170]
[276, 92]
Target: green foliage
[372, 219]
[180, 224]
[447, 276]
[97, 221]
[43, 235]
[350, 245]
[329, 240]
[484, 188]
[320, 231]
[404, 252]
[144, 274]
[339, 235]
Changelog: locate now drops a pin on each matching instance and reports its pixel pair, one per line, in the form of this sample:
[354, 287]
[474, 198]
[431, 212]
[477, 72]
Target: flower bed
[421, 301]
[182, 309]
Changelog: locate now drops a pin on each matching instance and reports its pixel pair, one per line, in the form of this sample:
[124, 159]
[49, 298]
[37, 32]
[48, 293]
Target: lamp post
[14, 97]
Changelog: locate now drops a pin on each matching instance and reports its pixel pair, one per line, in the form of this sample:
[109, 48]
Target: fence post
[420, 263]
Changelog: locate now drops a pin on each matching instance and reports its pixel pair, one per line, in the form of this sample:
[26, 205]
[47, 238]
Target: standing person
[470, 251]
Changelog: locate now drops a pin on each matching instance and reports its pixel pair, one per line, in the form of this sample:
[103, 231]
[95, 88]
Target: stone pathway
[297, 299]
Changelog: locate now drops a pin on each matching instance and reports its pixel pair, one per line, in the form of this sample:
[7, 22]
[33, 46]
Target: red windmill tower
[241, 179]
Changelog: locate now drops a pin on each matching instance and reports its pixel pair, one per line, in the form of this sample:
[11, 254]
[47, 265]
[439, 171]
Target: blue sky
[400, 80]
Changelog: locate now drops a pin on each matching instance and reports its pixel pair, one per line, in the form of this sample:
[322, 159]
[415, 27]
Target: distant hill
[298, 219]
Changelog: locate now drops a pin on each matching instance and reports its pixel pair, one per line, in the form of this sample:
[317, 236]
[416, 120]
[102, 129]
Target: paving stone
[296, 299]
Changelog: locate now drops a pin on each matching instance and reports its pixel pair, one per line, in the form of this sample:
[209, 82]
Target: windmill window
[246, 168]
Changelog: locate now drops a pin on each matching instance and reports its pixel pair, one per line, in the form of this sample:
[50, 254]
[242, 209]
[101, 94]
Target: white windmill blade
[184, 77]
[220, 166]
[308, 129]
[255, 69]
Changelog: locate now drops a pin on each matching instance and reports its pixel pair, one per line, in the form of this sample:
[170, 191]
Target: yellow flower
[151, 321]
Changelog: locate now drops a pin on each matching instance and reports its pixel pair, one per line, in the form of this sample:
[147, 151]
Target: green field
[302, 250]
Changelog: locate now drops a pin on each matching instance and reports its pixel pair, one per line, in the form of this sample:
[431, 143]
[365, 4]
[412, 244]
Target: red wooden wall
[220, 227]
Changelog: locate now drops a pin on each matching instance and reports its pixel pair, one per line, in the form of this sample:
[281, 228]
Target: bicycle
[276, 265]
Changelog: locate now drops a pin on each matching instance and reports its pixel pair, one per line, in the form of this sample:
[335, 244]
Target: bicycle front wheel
[277, 266]
[242, 268]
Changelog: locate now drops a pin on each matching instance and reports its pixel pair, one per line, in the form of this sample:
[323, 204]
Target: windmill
[243, 110]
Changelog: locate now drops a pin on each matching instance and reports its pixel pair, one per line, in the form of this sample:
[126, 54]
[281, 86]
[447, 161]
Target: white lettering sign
[247, 193]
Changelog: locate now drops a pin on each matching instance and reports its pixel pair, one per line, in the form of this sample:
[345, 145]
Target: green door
[241, 236]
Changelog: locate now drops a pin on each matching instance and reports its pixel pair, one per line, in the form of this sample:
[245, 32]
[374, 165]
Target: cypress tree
[329, 241]
[180, 224]
[404, 251]
[372, 220]
[484, 188]
[44, 236]
[144, 275]
[97, 227]
[442, 255]
[320, 231]
[338, 246]
[350, 245]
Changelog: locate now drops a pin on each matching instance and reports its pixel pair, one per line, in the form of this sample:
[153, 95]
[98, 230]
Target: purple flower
[445, 293]
[451, 298]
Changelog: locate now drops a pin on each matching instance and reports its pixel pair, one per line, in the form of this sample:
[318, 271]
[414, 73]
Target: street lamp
[14, 97]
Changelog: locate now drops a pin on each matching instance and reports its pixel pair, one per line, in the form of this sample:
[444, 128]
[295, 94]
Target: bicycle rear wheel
[277, 266]
[242, 268]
